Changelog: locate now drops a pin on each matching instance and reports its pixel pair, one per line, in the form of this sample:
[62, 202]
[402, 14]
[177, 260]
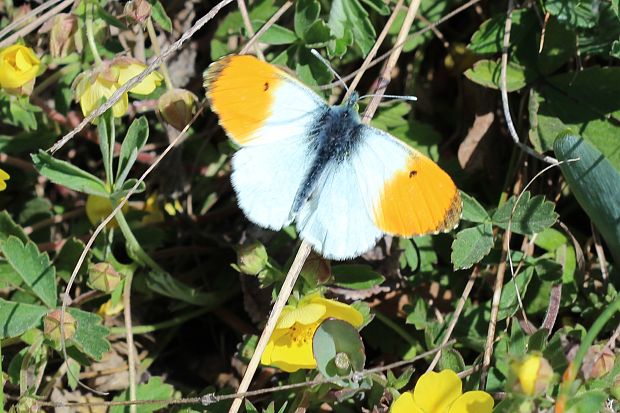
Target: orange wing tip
[241, 90]
[418, 200]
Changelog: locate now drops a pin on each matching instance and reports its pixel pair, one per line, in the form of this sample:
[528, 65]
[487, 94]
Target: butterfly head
[351, 102]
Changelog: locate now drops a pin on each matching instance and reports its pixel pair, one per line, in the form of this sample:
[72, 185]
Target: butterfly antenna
[395, 97]
[329, 66]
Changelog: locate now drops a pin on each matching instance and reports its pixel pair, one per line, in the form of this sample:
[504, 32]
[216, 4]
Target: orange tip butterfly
[345, 184]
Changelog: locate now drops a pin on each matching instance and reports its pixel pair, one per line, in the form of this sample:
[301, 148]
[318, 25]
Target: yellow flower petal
[340, 311]
[435, 392]
[3, 177]
[473, 402]
[120, 107]
[18, 66]
[405, 404]
[148, 84]
[527, 373]
[292, 348]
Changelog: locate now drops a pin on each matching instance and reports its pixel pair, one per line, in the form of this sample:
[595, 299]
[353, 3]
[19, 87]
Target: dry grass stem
[29, 28]
[138, 78]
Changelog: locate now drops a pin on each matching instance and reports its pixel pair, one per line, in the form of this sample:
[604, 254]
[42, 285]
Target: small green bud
[177, 107]
[138, 10]
[252, 258]
[316, 269]
[103, 277]
[597, 362]
[51, 326]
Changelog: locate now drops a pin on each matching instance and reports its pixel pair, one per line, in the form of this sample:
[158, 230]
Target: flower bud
[533, 374]
[51, 326]
[138, 10]
[177, 107]
[597, 362]
[62, 34]
[316, 269]
[252, 258]
[103, 277]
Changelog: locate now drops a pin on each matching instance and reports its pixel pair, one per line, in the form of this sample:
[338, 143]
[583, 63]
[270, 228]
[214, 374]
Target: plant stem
[155, 42]
[394, 326]
[131, 360]
[90, 34]
[573, 368]
[174, 321]
[133, 244]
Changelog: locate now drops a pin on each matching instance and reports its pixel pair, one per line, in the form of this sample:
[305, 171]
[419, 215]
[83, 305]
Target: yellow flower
[154, 214]
[533, 374]
[290, 345]
[103, 81]
[128, 68]
[108, 310]
[442, 393]
[18, 66]
[98, 208]
[3, 177]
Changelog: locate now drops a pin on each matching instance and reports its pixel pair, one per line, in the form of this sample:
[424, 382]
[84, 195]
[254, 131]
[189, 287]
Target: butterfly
[344, 184]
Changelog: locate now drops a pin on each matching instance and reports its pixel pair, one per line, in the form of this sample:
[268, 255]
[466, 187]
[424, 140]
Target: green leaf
[586, 103]
[33, 267]
[167, 286]
[155, 389]
[575, 13]
[594, 182]
[8, 228]
[306, 13]
[509, 304]
[587, 402]
[64, 173]
[548, 270]
[419, 315]
[338, 339]
[451, 359]
[317, 35]
[135, 139]
[310, 69]
[489, 37]
[276, 35]
[348, 16]
[473, 211]
[67, 258]
[110, 19]
[16, 318]
[105, 130]
[378, 5]
[471, 245]
[488, 73]
[91, 337]
[531, 215]
[159, 15]
[559, 46]
[550, 239]
[356, 277]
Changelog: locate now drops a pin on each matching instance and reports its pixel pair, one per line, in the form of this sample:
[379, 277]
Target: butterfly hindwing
[334, 220]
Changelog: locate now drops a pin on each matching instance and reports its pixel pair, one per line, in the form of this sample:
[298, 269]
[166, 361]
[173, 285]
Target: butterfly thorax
[332, 141]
